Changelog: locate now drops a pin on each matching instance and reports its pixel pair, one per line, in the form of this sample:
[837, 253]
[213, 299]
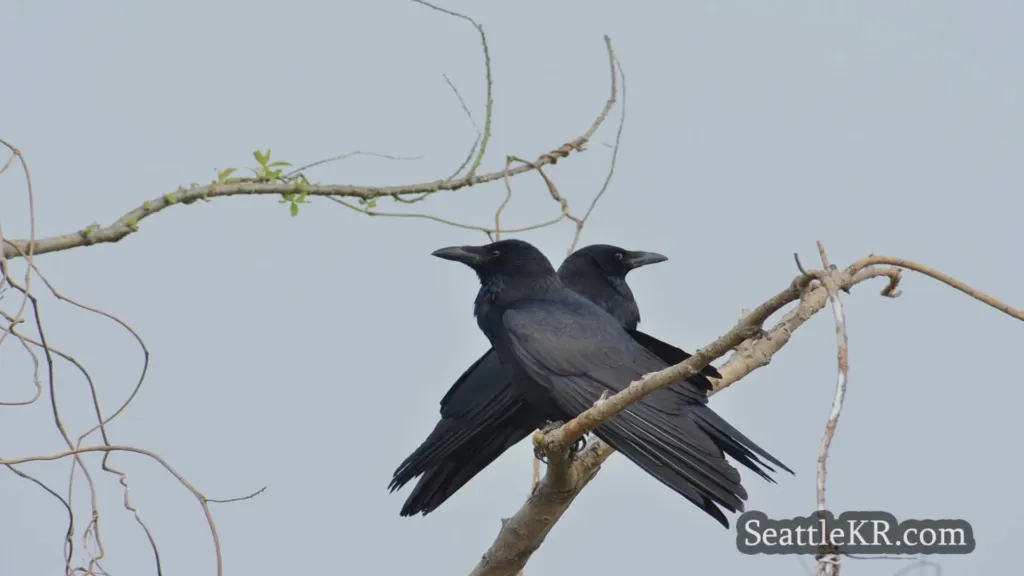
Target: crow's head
[612, 260]
[508, 258]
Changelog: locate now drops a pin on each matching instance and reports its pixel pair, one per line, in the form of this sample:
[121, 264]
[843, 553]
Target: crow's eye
[495, 253]
[618, 255]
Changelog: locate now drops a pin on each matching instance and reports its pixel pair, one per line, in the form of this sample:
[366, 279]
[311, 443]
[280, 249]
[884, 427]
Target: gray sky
[309, 354]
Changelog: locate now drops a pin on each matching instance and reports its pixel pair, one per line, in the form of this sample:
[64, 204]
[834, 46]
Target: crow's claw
[578, 445]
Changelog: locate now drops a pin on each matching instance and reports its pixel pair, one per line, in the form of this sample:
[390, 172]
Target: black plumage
[494, 405]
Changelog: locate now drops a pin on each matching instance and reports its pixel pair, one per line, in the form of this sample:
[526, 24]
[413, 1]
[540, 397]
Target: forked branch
[522, 534]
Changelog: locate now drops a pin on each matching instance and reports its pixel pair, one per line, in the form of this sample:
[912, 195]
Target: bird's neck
[498, 293]
[609, 292]
[625, 307]
[498, 290]
[618, 283]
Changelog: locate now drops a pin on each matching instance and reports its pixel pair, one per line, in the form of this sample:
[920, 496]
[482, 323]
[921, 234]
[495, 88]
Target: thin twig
[507, 199]
[239, 499]
[615, 156]
[203, 500]
[941, 277]
[29, 253]
[524, 166]
[373, 212]
[615, 68]
[345, 156]
[68, 542]
[55, 410]
[36, 381]
[490, 85]
[472, 121]
[831, 279]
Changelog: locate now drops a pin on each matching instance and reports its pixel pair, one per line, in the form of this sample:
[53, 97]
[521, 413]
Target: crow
[563, 352]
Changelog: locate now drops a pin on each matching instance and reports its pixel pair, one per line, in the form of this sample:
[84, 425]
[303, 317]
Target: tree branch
[129, 223]
[522, 534]
[830, 278]
[199, 496]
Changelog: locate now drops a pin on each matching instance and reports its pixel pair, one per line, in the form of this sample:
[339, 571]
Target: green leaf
[223, 175]
[295, 209]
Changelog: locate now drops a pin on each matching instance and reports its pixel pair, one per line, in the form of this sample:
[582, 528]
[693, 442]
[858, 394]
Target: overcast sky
[309, 354]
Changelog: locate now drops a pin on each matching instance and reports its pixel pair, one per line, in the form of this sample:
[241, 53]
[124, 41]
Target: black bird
[562, 352]
[483, 414]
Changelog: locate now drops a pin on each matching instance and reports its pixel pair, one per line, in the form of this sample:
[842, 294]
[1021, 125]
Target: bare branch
[615, 67]
[941, 277]
[68, 543]
[92, 530]
[35, 362]
[129, 223]
[29, 253]
[469, 114]
[373, 212]
[523, 533]
[203, 500]
[496, 232]
[490, 85]
[508, 198]
[346, 156]
[615, 155]
[239, 499]
[831, 279]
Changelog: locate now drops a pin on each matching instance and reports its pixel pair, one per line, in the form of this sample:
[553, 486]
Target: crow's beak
[468, 255]
[638, 259]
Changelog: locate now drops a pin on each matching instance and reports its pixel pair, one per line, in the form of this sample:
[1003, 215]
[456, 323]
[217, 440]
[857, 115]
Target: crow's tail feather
[680, 455]
[452, 435]
[452, 473]
[734, 443]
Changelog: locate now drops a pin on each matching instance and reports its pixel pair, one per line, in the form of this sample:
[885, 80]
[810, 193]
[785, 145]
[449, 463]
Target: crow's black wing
[482, 379]
[474, 409]
[476, 451]
[576, 351]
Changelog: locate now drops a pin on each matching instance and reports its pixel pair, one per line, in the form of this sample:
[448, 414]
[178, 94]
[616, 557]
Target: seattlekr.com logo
[855, 532]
